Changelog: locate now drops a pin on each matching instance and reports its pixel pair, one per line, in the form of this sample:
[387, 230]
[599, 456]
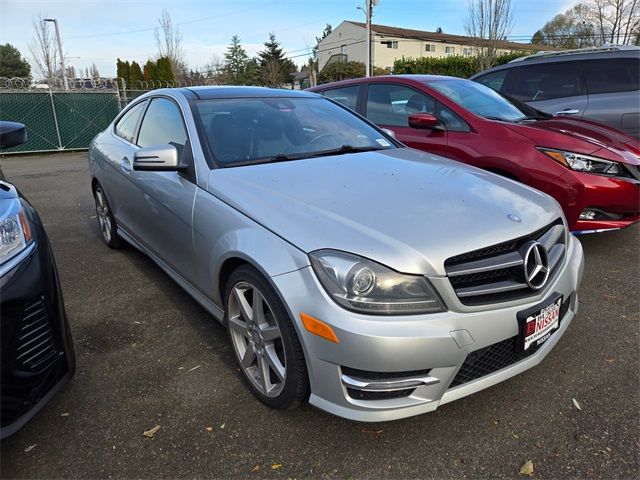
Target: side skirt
[199, 297]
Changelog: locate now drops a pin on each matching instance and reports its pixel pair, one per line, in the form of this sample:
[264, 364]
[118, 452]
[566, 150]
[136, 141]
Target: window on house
[391, 44]
[467, 52]
[429, 47]
[450, 49]
[343, 49]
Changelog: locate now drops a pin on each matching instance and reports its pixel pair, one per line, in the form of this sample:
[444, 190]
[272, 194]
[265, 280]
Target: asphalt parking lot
[149, 355]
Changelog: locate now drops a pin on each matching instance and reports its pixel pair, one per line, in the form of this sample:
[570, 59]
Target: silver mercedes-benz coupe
[374, 280]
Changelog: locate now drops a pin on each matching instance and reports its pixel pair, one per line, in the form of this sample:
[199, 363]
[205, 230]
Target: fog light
[588, 214]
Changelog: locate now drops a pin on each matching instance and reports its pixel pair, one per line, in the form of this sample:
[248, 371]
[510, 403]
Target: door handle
[125, 166]
[568, 111]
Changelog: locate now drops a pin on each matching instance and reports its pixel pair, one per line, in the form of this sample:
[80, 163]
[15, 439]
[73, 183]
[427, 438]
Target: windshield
[479, 99]
[243, 131]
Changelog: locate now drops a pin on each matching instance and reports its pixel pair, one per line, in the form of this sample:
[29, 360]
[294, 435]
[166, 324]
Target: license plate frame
[537, 324]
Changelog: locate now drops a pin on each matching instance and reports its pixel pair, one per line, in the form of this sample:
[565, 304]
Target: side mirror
[158, 158]
[12, 134]
[391, 133]
[425, 121]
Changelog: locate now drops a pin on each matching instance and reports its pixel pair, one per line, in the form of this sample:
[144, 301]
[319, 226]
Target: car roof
[206, 93]
[567, 56]
[381, 78]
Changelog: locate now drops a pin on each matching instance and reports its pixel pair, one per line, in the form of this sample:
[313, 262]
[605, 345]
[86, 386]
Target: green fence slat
[34, 109]
[80, 115]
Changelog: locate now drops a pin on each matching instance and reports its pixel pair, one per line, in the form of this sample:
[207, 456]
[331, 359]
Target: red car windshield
[479, 99]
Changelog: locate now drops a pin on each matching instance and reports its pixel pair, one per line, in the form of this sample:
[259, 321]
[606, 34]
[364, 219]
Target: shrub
[454, 66]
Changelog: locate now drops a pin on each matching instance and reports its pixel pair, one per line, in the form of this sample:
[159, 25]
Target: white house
[348, 43]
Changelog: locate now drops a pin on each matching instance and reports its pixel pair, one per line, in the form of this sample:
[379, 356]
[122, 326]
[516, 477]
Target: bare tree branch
[43, 48]
[169, 43]
[489, 21]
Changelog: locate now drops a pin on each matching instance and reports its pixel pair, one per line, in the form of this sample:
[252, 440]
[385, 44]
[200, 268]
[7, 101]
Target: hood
[7, 190]
[403, 208]
[580, 136]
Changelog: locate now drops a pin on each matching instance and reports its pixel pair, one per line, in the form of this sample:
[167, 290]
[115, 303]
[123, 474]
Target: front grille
[496, 274]
[497, 356]
[35, 350]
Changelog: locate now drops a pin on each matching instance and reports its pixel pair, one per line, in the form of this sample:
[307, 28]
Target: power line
[188, 22]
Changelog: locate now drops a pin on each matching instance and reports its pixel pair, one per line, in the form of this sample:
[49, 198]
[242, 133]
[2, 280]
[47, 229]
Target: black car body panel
[37, 356]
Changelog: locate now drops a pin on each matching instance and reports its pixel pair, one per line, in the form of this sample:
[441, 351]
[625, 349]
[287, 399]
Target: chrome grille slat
[487, 289]
[496, 273]
[550, 238]
[506, 260]
[555, 254]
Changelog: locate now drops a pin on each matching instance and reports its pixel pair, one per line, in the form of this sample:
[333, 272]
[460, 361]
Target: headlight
[365, 286]
[586, 163]
[15, 234]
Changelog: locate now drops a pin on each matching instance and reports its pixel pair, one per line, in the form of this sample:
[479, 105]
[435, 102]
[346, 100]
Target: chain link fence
[59, 119]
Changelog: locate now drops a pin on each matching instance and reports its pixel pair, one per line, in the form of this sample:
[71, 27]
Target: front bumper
[617, 200]
[429, 347]
[37, 350]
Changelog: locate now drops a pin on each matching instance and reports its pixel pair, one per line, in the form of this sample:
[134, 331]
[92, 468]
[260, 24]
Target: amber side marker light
[557, 156]
[26, 229]
[318, 327]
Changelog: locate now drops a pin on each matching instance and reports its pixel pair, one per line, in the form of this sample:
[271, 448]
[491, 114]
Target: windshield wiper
[345, 149]
[282, 157]
[500, 119]
[526, 119]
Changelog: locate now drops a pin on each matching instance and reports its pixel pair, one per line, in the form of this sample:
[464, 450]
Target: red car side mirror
[425, 121]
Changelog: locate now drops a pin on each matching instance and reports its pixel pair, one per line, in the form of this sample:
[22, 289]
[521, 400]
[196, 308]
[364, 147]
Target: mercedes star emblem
[536, 265]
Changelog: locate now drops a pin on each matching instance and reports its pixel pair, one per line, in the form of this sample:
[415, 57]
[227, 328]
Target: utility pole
[64, 70]
[367, 63]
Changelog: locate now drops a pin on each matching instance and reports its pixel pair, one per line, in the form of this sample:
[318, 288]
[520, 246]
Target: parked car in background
[37, 351]
[376, 281]
[600, 84]
[591, 169]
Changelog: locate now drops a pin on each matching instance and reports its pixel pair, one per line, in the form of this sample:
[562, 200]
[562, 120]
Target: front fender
[223, 234]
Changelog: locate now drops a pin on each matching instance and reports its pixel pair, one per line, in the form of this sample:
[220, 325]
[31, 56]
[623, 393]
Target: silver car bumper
[430, 349]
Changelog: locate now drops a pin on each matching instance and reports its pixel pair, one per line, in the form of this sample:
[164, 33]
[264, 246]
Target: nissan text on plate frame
[373, 280]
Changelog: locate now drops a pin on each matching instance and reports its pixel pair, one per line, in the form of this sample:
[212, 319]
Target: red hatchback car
[591, 169]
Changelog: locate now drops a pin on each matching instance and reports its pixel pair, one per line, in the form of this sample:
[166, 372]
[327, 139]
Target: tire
[266, 341]
[106, 220]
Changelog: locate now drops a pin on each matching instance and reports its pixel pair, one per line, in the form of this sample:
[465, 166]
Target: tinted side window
[613, 75]
[493, 80]
[392, 104]
[126, 126]
[546, 81]
[347, 96]
[163, 124]
[452, 121]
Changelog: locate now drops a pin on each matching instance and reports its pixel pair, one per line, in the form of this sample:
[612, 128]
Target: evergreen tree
[165, 73]
[123, 69]
[150, 73]
[135, 75]
[12, 64]
[252, 73]
[275, 69]
[236, 61]
[93, 73]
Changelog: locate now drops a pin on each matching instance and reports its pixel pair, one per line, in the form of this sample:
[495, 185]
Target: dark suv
[600, 84]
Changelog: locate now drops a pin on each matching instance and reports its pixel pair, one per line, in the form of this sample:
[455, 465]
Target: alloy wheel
[102, 212]
[257, 339]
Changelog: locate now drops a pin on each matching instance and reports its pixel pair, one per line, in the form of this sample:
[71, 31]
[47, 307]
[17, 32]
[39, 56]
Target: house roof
[446, 37]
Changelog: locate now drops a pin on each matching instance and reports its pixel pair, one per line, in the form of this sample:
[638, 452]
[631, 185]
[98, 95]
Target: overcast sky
[101, 30]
